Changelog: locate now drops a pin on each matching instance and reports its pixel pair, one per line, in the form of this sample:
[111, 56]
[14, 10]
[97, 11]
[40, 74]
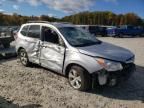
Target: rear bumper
[104, 77]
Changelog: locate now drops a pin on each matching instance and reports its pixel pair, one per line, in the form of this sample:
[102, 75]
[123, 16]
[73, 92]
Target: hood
[107, 51]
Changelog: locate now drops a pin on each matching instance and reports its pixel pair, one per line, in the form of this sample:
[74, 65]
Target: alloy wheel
[75, 79]
[23, 58]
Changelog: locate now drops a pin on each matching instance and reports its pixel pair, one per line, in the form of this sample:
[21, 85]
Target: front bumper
[104, 77]
[128, 70]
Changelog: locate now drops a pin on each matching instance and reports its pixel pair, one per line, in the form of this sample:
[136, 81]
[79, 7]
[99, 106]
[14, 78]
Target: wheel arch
[68, 67]
[18, 50]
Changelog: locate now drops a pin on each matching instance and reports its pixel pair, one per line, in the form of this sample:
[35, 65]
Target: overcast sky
[60, 8]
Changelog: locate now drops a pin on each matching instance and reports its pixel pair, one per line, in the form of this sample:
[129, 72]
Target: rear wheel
[24, 57]
[79, 79]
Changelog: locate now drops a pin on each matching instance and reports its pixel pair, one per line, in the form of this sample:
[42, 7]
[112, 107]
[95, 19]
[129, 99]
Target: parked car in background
[142, 31]
[75, 53]
[14, 30]
[128, 31]
[95, 29]
[5, 36]
[111, 31]
[100, 30]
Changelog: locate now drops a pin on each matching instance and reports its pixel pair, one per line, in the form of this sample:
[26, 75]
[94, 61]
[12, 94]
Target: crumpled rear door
[33, 49]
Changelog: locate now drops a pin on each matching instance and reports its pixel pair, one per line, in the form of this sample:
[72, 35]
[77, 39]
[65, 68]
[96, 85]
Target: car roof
[56, 24]
[62, 24]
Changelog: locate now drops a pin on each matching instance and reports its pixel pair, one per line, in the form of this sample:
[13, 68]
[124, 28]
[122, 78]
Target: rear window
[24, 30]
[34, 31]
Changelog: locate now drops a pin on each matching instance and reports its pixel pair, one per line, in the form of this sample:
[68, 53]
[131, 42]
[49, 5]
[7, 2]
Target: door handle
[44, 46]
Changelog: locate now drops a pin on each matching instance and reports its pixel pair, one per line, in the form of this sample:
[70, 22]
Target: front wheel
[24, 57]
[79, 79]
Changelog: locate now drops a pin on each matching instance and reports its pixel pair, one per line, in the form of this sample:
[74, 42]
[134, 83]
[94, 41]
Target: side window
[24, 30]
[49, 35]
[34, 31]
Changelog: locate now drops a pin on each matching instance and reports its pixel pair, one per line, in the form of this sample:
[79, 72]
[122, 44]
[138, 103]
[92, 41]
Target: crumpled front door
[52, 56]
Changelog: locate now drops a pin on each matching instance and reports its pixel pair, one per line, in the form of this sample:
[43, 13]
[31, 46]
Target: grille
[128, 66]
[128, 69]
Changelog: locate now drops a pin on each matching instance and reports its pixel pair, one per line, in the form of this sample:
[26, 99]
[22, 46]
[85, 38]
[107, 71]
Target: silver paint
[58, 58]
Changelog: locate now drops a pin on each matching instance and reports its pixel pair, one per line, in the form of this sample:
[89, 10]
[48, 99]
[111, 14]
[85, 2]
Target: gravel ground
[36, 87]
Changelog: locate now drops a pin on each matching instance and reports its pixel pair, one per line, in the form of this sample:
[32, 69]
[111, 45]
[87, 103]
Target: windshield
[78, 37]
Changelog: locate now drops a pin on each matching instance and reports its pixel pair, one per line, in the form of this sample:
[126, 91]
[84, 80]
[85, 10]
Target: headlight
[109, 65]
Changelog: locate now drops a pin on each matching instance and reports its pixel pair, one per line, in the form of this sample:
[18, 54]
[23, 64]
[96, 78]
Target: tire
[23, 57]
[6, 45]
[79, 79]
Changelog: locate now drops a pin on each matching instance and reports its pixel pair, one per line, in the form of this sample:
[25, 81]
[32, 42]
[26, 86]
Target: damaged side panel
[33, 50]
[52, 56]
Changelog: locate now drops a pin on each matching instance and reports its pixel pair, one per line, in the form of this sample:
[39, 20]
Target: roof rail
[37, 21]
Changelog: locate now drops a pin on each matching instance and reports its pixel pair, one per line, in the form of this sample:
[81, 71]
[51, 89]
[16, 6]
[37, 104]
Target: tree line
[104, 18]
[16, 19]
[91, 18]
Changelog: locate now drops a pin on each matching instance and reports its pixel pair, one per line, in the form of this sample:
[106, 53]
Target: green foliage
[15, 19]
[93, 18]
[104, 18]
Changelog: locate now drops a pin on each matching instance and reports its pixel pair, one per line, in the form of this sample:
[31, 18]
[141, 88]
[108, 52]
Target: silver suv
[75, 53]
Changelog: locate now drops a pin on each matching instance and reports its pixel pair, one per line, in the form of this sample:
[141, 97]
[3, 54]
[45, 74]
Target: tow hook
[112, 81]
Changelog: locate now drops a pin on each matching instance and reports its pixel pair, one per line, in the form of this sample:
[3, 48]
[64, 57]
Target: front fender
[87, 62]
